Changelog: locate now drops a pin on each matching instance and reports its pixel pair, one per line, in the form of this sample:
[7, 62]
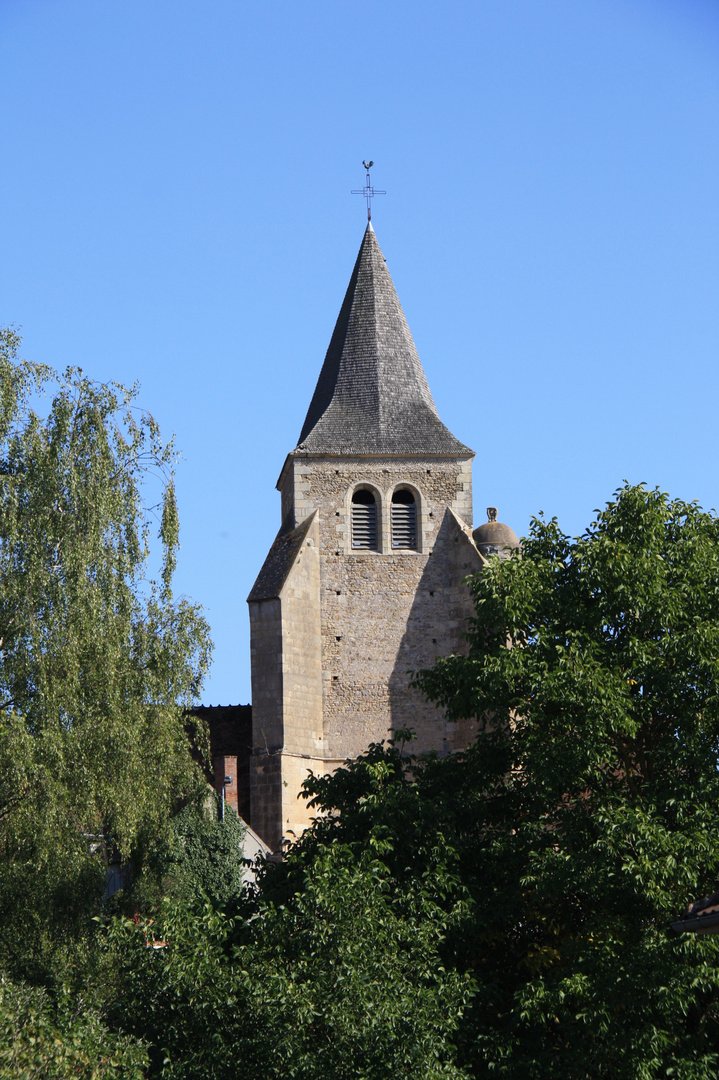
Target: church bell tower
[364, 582]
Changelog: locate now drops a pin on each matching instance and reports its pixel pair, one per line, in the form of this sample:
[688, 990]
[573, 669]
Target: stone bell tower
[365, 581]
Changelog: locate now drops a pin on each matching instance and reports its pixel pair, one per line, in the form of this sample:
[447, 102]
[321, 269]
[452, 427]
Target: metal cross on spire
[368, 191]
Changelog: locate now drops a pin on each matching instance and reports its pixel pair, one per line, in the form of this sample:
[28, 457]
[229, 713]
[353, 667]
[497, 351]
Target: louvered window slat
[364, 526]
[404, 525]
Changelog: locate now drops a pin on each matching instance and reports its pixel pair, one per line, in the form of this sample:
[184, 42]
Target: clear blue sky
[175, 209]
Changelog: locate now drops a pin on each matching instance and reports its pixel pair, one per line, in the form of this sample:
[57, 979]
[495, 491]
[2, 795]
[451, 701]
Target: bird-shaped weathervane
[368, 191]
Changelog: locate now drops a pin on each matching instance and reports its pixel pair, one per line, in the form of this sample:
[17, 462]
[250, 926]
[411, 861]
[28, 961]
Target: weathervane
[368, 191]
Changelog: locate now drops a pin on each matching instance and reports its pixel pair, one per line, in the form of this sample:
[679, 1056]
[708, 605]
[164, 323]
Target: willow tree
[96, 659]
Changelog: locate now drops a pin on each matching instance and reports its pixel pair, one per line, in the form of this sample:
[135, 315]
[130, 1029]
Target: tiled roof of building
[279, 562]
[230, 727]
[372, 395]
[701, 917]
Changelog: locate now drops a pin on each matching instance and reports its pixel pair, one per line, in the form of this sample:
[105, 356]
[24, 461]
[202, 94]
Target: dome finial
[494, 538]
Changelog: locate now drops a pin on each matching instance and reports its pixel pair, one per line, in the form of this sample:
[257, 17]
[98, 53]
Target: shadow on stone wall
[438, 620]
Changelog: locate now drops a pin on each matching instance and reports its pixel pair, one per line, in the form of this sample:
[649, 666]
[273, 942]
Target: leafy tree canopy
[203, 856]
[343, 980]
[500, 913]
[39, 1041]
[96, 659]
[569, 836]
[589, 806]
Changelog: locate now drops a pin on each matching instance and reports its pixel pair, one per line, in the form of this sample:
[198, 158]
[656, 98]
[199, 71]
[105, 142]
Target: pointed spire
[372, 395]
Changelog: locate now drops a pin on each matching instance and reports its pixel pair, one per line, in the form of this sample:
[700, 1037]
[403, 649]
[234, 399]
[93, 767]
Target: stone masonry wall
[266, 795]
[266, 669]
[385, 612]
[286, 655]
[302, 652]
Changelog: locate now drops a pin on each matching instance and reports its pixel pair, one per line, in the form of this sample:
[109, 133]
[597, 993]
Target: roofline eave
[329, 455]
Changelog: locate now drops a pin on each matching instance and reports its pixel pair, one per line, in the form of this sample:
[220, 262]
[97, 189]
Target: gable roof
[372, 395]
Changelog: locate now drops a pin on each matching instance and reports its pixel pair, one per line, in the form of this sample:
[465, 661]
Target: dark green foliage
[503, 913]
[343, 980]
[585, 816]
[204, 855]
[589, 808]
[40, 1042]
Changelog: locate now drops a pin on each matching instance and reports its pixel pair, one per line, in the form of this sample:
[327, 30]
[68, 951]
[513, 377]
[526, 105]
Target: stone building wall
[385, 612]
[286, 661]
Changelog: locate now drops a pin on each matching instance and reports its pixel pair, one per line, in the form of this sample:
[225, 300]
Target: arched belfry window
[364, 520]
[404, 520]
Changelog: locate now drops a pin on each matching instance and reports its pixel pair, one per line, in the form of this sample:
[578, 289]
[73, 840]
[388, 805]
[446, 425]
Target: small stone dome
[494, 538]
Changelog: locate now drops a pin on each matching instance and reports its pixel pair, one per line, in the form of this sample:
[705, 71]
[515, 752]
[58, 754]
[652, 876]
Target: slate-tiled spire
[372, 395]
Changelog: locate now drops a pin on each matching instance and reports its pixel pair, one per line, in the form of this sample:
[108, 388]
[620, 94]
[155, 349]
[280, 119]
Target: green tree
[587, 813]
[96, 660]
[203, 858]
[571, 833]
[342, 979]
[38, 1041]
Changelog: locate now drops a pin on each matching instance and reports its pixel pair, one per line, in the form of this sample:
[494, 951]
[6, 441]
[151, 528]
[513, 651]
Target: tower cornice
[308, 455]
